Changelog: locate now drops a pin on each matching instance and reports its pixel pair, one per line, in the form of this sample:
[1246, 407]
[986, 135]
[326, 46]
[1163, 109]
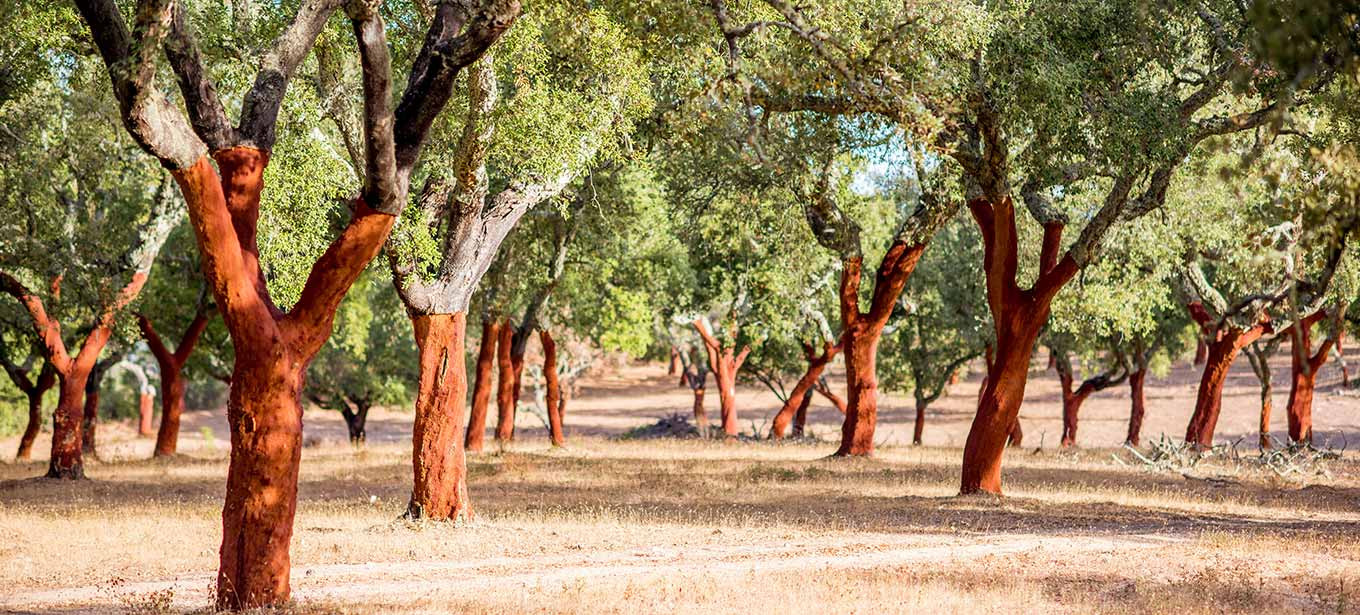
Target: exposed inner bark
[481, 388]
[554, 394]
[799, 397]
[505, 392]
[1018, 316]
[1259, 355]
[440, 486]
[1072, 399]
[1225, 342]
[171, 364]
[724, 362]
[1305, 363]
[1137, 406]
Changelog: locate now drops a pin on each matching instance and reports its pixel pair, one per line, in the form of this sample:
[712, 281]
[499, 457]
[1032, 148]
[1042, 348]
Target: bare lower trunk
[920, 426]
[439, 489]
[1137, 406]
[861, 390]
[802, 390]
[265, 417]
[554, 394]
[146, 403]
[34, 423]
[67, 423]
[997, 419]
[505, 392]
[1209, 400]
[800, 416]
[726, 379]
[481, 388]
[172, 406]
[1300, 408]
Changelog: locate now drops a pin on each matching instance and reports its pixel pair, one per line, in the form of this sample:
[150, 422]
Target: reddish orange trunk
[861, 390]
[1304, 367]
[800, 417]
[724, 362]
[1201, 352]
[802, 390]
[1017, 315]
[481, 388]
[554, 393]
[1137, 407]
[1209, 400]
[145, 409]
[47, 378]
[273, 348]
[171, 364]
[67, 426]
[439, 490]
[172, 406]
[505, 393]
[998, 418]
[860, 333]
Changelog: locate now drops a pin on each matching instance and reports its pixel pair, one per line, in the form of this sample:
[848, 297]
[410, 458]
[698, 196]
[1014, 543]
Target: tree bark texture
[439, 490]
[171, 364]
[481, 388]
[554, 395]
[724, 362]
[802, 390]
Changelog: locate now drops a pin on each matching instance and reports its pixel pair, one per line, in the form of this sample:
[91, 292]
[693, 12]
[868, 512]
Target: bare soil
[625, 526]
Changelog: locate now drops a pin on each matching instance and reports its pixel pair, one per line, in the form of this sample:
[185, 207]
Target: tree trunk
[798, 397]
[1304, 367]
[1016, 437]
[47, 378]
[439, 491]
[674, 362]
[920, 426]
[1201, 352]
[700, 415]
[1300, 408]
[172, 407]
[1209, 400]
[265, 416]
[998, 417]
[554, 394]
[1137, 406]
[90, 414]
[724, 363]
[505, 393]
[145, 409]
[1260, 363]
[481, 388]
[67, 421]
[800, 417]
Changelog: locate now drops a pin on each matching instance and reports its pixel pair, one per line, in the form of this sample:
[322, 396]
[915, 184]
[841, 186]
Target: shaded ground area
[610, 526]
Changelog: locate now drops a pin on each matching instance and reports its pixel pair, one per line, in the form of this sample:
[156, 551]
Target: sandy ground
[609, 526]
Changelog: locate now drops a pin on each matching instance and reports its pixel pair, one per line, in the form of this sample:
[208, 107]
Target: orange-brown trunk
[802, 391]
[505, 393]
[554, 389]
[1300, 408]
[481, 388]
[860, 341]
[264, 413]
[919, 429]
[172, 406]
[145, 409]
[35, 396]
[725, 374]
[1137, 407]
[68, 426]
[998, 415]
[439, 489]
[1209, 400]
[800, 417]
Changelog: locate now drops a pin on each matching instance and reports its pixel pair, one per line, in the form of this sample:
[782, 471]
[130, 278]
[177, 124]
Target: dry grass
[609, 526]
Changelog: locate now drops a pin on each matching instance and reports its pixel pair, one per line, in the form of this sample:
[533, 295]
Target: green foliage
[371, 355]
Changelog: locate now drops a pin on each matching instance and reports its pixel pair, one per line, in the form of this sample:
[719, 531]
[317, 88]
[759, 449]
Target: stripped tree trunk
[505, 393]
[554, 394]
[724, 362]
[1072, 399]
[33, 389]
[481, 388]
[1018, 316]
[1305, 363]
[801, 392]
[440, 485]
[1258, 354]
[171, 364]
[1225, 342]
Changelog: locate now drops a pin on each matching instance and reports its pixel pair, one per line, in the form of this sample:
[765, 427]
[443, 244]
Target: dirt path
[356, 582]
